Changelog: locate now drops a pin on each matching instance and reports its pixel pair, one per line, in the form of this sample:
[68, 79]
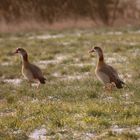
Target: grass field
[72, 104]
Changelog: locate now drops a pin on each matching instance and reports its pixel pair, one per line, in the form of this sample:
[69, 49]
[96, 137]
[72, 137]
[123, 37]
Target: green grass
[69, 106]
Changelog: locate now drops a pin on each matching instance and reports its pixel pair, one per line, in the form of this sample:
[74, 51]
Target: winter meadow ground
[72, 104]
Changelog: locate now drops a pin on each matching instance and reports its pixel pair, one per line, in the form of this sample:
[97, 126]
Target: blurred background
[20, 15]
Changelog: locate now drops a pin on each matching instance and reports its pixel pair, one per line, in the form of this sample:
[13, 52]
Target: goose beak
[15, 52]
[92, 50]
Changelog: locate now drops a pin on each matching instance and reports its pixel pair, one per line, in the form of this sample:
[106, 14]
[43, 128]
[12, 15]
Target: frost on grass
[53, 98]
[135, 52]
[116, 129]
[46, 36]
[38, 134]
[58, 59]
[75, 127]
[6, 63]
[108, 99]
[15, 82]
[71, 77]
[75, 77]
[119, 130]
[84, 135]
[115, 58]
[113, 33]
[7, 114]
[82, 64]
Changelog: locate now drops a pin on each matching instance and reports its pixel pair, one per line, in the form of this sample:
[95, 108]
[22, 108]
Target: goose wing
[37, 73]
[112, 74]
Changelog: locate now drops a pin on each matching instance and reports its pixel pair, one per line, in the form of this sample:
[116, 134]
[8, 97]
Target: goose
[30, 71]
[104, 72]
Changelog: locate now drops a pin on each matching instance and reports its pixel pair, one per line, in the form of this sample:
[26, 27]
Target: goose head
[98, 51]
[22, 52]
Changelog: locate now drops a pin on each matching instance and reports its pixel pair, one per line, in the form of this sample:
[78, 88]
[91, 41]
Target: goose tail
[42, 80]
[119, 83]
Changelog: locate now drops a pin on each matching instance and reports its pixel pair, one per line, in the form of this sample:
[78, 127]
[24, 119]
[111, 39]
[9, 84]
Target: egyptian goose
[30, 71]
[104, 72]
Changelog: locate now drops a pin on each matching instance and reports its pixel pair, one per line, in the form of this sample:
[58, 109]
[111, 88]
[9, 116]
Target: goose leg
[38, 85]
[110, 86]
[30, 83]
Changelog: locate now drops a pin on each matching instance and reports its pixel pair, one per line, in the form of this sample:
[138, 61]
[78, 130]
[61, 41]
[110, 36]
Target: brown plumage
[104, 72]
[30, 71]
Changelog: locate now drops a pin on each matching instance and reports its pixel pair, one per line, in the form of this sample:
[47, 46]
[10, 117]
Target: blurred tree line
[55, 10]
